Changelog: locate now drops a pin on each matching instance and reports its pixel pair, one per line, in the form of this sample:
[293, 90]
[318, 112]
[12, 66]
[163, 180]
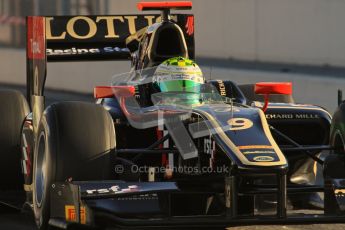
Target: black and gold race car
[239, 154]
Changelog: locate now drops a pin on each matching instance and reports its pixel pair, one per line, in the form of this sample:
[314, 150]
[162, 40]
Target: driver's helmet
[178, 74]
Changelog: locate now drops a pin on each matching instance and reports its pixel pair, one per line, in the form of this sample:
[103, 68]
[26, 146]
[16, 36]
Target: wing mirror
[111, 91]
[268, 88]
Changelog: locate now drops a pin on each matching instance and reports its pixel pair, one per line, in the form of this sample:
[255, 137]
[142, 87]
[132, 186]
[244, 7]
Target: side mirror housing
[268, 88]
[111, 91]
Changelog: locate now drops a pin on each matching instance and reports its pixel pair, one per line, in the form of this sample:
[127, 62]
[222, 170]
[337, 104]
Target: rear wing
[101, 37]
[84, 38]
[91, 38]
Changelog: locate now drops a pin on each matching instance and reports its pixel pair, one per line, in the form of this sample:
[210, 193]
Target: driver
[179, 76]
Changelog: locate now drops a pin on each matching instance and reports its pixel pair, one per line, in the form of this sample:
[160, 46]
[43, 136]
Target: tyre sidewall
[74, 135]
[42, 211]
[337, 126]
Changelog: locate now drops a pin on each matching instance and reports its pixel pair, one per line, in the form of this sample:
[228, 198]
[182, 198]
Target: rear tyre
[337, 132]
[13, 109]
[75, 141]
[334, 166]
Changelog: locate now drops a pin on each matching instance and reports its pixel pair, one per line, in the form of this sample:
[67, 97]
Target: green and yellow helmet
[178, 74]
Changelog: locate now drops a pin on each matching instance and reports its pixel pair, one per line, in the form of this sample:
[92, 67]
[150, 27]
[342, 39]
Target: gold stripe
[339, 191]
[255, 147]
[28, 188]
[235, 149]
[268, 134]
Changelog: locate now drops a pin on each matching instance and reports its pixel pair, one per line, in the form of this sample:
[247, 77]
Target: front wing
[148, 205]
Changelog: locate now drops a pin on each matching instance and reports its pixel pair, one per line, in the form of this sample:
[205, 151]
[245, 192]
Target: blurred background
[302, 41]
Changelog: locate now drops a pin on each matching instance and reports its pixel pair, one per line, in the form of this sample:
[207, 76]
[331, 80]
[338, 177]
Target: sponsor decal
[210, 149]
[70, 214]
[190, 25]
[106, 27]
[263, 158]
[191, 76]
[207, 145]
[78, 51]
[222, 89]
[117, 190]
[35, 36]
[113, 190]
[91, 28]
[292, 116]
[279, 116]
[153, 196]
[100, 31]
[306, 116]
[258, 152]
[255, 147]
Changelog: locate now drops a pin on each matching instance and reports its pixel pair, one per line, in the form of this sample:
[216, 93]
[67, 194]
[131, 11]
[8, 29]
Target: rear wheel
[13, 109]
[335, 163]
[337, 132]
[337, 141]
[75, 141]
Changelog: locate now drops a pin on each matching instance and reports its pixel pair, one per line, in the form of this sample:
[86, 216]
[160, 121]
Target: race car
[163, 147]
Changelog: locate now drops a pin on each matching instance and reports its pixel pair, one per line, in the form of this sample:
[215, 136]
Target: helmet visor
[180, 86]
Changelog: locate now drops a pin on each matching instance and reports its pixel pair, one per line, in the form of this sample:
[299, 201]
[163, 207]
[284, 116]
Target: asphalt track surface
[11, 219]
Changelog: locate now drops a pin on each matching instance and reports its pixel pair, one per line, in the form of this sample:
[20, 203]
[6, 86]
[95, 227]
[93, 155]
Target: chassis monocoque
[143, 158]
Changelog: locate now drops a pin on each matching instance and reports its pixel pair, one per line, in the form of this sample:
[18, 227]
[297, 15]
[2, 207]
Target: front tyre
[74, 141]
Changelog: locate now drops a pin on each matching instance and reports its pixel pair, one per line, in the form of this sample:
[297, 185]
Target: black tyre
[13, 109]
[337, 132]
[334, 166]
[248, 91]
[75, 141]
